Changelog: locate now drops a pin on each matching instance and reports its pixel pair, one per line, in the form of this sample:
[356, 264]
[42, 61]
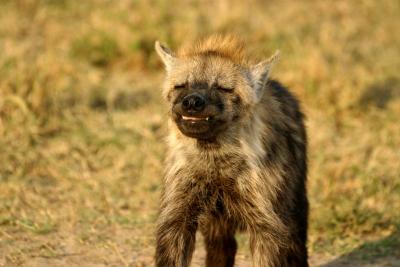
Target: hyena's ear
[165, 54]
[260, 74]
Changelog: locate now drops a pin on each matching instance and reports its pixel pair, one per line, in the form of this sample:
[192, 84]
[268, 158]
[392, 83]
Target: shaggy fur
[246, 171]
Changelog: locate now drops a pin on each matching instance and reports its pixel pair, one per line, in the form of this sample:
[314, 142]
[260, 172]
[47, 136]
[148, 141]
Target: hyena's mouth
[201, 127]
[195, 119]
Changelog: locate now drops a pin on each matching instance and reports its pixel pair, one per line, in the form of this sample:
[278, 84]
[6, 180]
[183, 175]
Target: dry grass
[82, 120]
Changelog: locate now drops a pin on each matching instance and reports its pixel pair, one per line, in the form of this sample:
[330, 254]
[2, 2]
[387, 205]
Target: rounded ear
[260, 73]
[165, 54]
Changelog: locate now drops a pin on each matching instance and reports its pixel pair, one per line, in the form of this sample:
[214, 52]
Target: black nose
[193, 103]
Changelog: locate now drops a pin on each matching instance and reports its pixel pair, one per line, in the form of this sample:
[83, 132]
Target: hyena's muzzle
[198, 114]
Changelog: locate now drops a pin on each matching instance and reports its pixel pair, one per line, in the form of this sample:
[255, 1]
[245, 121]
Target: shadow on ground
[381, 253]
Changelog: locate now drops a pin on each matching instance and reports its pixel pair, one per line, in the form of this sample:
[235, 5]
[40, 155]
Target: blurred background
[82, 122]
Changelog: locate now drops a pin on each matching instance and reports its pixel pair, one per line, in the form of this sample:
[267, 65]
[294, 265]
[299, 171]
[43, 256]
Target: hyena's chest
[217, 183]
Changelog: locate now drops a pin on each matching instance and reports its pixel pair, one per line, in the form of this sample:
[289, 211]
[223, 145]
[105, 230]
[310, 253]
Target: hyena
[236, 159]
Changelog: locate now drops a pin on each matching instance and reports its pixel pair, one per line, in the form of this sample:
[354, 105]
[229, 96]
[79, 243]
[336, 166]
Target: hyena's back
[286, 145]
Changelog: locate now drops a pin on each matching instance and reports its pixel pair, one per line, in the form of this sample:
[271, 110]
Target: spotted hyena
[236, 160]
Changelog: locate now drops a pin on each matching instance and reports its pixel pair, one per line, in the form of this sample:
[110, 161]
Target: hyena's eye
[224, 89]
[180, 86]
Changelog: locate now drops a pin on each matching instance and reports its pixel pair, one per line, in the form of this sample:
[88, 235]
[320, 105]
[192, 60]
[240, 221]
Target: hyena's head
[212, 86]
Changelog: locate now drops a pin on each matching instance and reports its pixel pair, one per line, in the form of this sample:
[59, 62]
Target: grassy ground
[82, 122]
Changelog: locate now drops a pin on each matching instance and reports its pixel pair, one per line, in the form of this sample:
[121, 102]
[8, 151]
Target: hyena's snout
[194, 107]
[193, 104]
[196, 116]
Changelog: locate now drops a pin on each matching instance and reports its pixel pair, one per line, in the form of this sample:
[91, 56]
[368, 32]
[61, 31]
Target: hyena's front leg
[176, 231]
[273, 242]
[269, 253]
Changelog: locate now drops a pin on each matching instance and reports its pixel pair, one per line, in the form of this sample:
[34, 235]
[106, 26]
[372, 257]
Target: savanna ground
[82, 122]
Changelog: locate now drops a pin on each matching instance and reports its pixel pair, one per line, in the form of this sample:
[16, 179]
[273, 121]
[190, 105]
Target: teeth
[188, 118]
